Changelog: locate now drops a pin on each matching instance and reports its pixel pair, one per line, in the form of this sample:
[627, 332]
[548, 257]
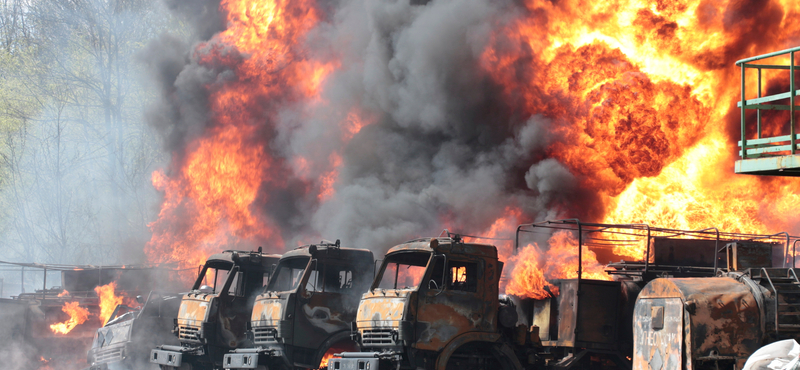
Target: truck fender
[333, 339]
[500, 349]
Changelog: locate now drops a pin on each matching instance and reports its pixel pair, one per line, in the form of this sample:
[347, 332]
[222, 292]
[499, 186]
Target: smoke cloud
[450, 114]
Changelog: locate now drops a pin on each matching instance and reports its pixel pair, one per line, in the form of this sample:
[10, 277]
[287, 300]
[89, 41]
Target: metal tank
[716, 322]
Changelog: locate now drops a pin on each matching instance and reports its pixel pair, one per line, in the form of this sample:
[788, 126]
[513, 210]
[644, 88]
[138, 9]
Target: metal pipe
[647, 252]
[758, 111]
[22, 281]
[744, 103]
[768, 55]
[44, 284]
[580, 255]
[516, 239]
[791, 102]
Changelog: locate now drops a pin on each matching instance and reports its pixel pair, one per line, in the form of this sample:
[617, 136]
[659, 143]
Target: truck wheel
[481, 356]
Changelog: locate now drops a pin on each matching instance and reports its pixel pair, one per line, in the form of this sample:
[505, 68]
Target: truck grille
[108, 355]
[188, 333]
[377, 336]
[264, 335]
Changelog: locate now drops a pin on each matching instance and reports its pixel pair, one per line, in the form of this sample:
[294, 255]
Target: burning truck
[212, 317]
[125, 341]
[697, 300]
[304, 314]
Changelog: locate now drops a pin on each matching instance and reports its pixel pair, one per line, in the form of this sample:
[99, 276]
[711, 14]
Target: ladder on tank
[785, 286]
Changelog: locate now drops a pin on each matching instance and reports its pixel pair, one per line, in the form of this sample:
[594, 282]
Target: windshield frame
[274, 280]
[389, 260]
[217, 266]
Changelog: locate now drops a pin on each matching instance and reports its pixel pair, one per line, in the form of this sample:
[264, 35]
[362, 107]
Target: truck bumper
[355, 361]
[167, 356]
[114, 365]
[240, 360]
[248, 358]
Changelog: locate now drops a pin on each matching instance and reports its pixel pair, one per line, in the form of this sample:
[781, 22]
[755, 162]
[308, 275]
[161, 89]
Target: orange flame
[44, 364]
[533, 268]
[77, 315]
[211, 195]
[109, 300]
[336, 348]
[641, 98]
[211, 199]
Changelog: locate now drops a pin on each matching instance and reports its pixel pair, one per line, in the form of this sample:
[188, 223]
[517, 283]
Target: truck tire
[481, 355]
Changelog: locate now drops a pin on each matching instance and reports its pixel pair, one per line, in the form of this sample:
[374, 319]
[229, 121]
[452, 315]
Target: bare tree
[78, 162]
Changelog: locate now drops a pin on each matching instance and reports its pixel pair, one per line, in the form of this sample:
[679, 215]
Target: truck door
[326, 305]
[451, 302]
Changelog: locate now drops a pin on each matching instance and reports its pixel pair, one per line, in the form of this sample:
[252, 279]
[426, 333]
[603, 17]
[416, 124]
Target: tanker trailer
[716, 322]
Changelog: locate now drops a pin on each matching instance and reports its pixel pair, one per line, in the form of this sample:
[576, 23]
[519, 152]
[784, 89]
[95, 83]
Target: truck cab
[433, 304]
[305, 313]
[212, 318]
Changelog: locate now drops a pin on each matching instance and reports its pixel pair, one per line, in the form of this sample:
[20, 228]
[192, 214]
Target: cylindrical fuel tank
[692, 323]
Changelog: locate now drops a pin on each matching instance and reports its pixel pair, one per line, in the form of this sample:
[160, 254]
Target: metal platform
[777, 155]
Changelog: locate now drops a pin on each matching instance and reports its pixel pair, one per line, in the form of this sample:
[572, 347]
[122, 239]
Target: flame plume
[534, 268]
[109, 300]
[77, 315]
[377, 122]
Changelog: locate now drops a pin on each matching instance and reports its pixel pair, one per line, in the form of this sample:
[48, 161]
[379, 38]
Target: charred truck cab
[125, 341]
[432, 305]
[305, 313]
[212, 318]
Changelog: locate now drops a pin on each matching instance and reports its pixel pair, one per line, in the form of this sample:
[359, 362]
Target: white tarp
[781, 355]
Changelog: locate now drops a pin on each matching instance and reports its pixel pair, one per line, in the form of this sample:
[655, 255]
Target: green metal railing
[760, 146]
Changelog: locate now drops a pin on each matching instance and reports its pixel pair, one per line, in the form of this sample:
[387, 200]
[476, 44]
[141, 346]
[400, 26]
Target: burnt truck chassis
[590, 324]
[294, 326]
[125, 341]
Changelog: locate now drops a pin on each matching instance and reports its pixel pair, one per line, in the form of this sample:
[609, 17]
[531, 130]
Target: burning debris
[77, 315]
[53, 328]
[532, 268]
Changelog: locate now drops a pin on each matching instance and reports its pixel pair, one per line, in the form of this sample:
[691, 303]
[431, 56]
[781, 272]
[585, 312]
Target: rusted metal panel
[743, 255]
[721, 314]
[586, 319]
[658, 334]
[596, 317]
[683, 252]
[545, 318]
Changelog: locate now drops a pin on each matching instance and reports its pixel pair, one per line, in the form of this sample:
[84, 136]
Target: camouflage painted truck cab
[125, 341]
[433, 305]
[305, 313]
[213, 317]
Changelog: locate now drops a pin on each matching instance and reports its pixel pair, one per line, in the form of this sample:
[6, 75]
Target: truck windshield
[402, 270]
[288, 274]
[212, 276]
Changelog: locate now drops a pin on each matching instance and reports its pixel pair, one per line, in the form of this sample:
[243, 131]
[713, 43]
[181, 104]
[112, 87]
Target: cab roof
[445, 245]
[243, 257]
[329, 251]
